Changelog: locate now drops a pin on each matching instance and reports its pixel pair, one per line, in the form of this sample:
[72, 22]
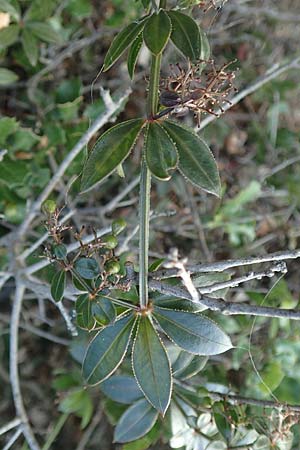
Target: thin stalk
[153, 86]
[145, 188]
[55, 432]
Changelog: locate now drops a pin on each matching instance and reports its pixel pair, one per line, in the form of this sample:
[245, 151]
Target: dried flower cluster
[192, 89]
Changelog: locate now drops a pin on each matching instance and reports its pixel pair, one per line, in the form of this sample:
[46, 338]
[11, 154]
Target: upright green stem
[145, 187]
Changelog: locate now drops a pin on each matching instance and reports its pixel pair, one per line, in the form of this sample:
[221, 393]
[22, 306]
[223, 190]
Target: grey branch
[13, 367]
[13, 439]
[220, 266]
[239, 400]
[224, 307]
[271, 74]
[10, 425]
[96, 125]
[279, 267]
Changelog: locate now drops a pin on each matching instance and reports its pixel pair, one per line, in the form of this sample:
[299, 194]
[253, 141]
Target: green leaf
[8, 126]
[133, 54]
[103, 311]
[60, 251]
[118, 226]
[109, 151]
[87, 268]
[121, 42]
[30, 46]
[14, 11]
[58, 285]
[204, 46]
[195, 366]
[161, 153]
[157, 32]
[9, 35]
[151, 366]
[45, 32]
[192, 332]
[170, 302]
[196, 161]
[40, 10]
[146, 441]
[181, 362]
[203, 280]
[156, 264]
[137, 420]
[107, 350]
[84, 317]
[185, 35]
[79, 402]
[122, 389]
[272, 375]
[7, 77]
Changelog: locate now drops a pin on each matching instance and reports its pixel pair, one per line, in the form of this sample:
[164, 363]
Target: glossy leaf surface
[196, 161]
[7, 76]
[151, 366]
[30, 46]
[84, 315]
[192, 332]
[103, 311]
[109, 151]
[45, 32]
[58, 285]
[122, 389]
[185, 35]
[137, 420]
[121, 42]
[87, 268]
[161, 153]
[107, 350]
[133, 54]
[157, 32]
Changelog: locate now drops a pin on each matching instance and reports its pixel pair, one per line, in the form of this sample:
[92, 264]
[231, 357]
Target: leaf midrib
[190, 332]
[109, 348]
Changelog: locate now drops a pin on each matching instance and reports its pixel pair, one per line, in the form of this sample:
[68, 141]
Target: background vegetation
[51, 92]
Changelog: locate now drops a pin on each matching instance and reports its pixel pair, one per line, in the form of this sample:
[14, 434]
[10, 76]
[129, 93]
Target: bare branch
[224, 307]
[280, 267]
[239, 400]
[13, 367]
[13, 439]
[183, 274]
[10, 425]
[220, 266]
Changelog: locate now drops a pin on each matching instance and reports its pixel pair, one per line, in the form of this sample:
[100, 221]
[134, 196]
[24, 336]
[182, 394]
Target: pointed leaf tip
[121, 42]
[192, 332]
[151, 366]
[196, 161]
[185, 35]
[107, 350]
[157, 32]
[137, 420]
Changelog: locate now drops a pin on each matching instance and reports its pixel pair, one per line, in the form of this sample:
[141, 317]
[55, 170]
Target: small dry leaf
[4, 20]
